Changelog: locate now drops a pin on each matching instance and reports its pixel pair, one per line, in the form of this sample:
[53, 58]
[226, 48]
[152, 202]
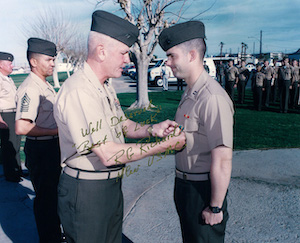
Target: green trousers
[191, 198]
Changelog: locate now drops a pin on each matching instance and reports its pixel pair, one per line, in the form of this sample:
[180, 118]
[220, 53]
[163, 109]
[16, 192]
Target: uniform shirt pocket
[191, 129]
[191, 125]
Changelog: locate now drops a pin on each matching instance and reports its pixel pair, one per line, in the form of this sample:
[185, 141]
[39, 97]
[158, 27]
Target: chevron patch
[25, 103]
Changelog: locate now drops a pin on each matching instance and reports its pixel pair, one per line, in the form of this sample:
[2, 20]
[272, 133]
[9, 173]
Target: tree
[151, 17]
[53, 26]
[76, 52]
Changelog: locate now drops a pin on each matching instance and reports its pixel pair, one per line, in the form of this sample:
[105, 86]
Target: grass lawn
[19, 78]
[252, 129]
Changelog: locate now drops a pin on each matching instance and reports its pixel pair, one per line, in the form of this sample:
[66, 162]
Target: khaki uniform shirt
[286, 72]
[232, 73]
[35, 99]
[295, 74]
[269, 72]
[259, 79]
[87, 113]
[8, 92]
[242, 76]
[206, 112]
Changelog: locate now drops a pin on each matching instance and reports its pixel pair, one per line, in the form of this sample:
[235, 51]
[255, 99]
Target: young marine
[203, 167]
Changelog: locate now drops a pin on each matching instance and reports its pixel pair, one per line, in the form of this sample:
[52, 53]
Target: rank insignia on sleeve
[25, 103]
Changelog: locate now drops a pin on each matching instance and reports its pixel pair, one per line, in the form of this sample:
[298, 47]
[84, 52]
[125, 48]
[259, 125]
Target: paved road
[263, 199]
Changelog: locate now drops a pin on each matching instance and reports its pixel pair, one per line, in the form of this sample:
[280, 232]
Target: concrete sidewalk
[263, 201]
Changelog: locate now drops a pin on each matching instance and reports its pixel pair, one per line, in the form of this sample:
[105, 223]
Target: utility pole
[243, 45]
[260, 48]
[221, 44]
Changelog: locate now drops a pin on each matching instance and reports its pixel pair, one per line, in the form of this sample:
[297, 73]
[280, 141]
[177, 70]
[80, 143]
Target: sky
[229, 21]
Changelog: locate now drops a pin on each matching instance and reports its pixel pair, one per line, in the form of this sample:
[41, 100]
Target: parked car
[128, 68]
[250, 66]
[132, 71]
[154, 74]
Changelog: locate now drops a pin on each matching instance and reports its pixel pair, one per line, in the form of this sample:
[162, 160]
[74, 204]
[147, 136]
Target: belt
[42, 137]
[8, 110]
[192, 176]
[91, 175]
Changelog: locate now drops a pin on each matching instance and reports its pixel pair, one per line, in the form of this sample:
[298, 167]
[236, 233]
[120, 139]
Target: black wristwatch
[215, 209]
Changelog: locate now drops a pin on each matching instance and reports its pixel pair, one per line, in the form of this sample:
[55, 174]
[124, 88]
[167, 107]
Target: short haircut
[96, 39]
[31, 55]
[197, 44]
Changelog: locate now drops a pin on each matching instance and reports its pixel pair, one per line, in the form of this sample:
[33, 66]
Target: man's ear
[101, 52]
[33, 62]
[192, 55]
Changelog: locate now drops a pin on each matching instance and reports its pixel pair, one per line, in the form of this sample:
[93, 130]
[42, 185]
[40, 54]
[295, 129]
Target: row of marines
[267, 82]
[76, 175]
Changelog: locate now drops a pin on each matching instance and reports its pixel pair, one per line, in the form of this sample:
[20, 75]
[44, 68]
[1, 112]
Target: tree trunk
[69, 66]
[55, 73]
[142, 100]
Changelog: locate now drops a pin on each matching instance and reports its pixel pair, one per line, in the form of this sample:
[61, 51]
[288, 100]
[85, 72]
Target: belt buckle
[184, 175]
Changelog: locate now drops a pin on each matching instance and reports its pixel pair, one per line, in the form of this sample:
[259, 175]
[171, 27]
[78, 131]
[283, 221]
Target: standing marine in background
[258, 86]
[269, 73]
[10, 142]
[285, 77]
[231, 79]
[274, 83]
[295, 84]
[242, 81]
[221, 67]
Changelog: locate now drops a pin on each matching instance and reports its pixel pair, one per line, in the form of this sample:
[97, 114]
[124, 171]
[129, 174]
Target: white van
[154, 73]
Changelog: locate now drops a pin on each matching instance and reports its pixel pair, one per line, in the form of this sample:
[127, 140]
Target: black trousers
[257, 95]
[229, 87]
[294, 95]
[10, 148]
[267, 92]
[191, 198]
[284, 95]
[274, 91]
[241, 91]
[91, 210]
[221, 79]
[43, 163]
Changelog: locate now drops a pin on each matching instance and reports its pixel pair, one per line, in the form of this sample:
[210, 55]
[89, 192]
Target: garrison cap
[115, 27]
[41, 46]
[6, 56]
[180, 33]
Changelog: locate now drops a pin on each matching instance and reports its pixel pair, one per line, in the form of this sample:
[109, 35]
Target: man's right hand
[3, 125]
[176, 139]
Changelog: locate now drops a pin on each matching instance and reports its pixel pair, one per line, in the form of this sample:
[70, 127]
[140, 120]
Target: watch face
[215, 209]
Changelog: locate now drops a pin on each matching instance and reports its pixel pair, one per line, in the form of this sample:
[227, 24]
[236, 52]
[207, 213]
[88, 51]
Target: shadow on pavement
[16, 211]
